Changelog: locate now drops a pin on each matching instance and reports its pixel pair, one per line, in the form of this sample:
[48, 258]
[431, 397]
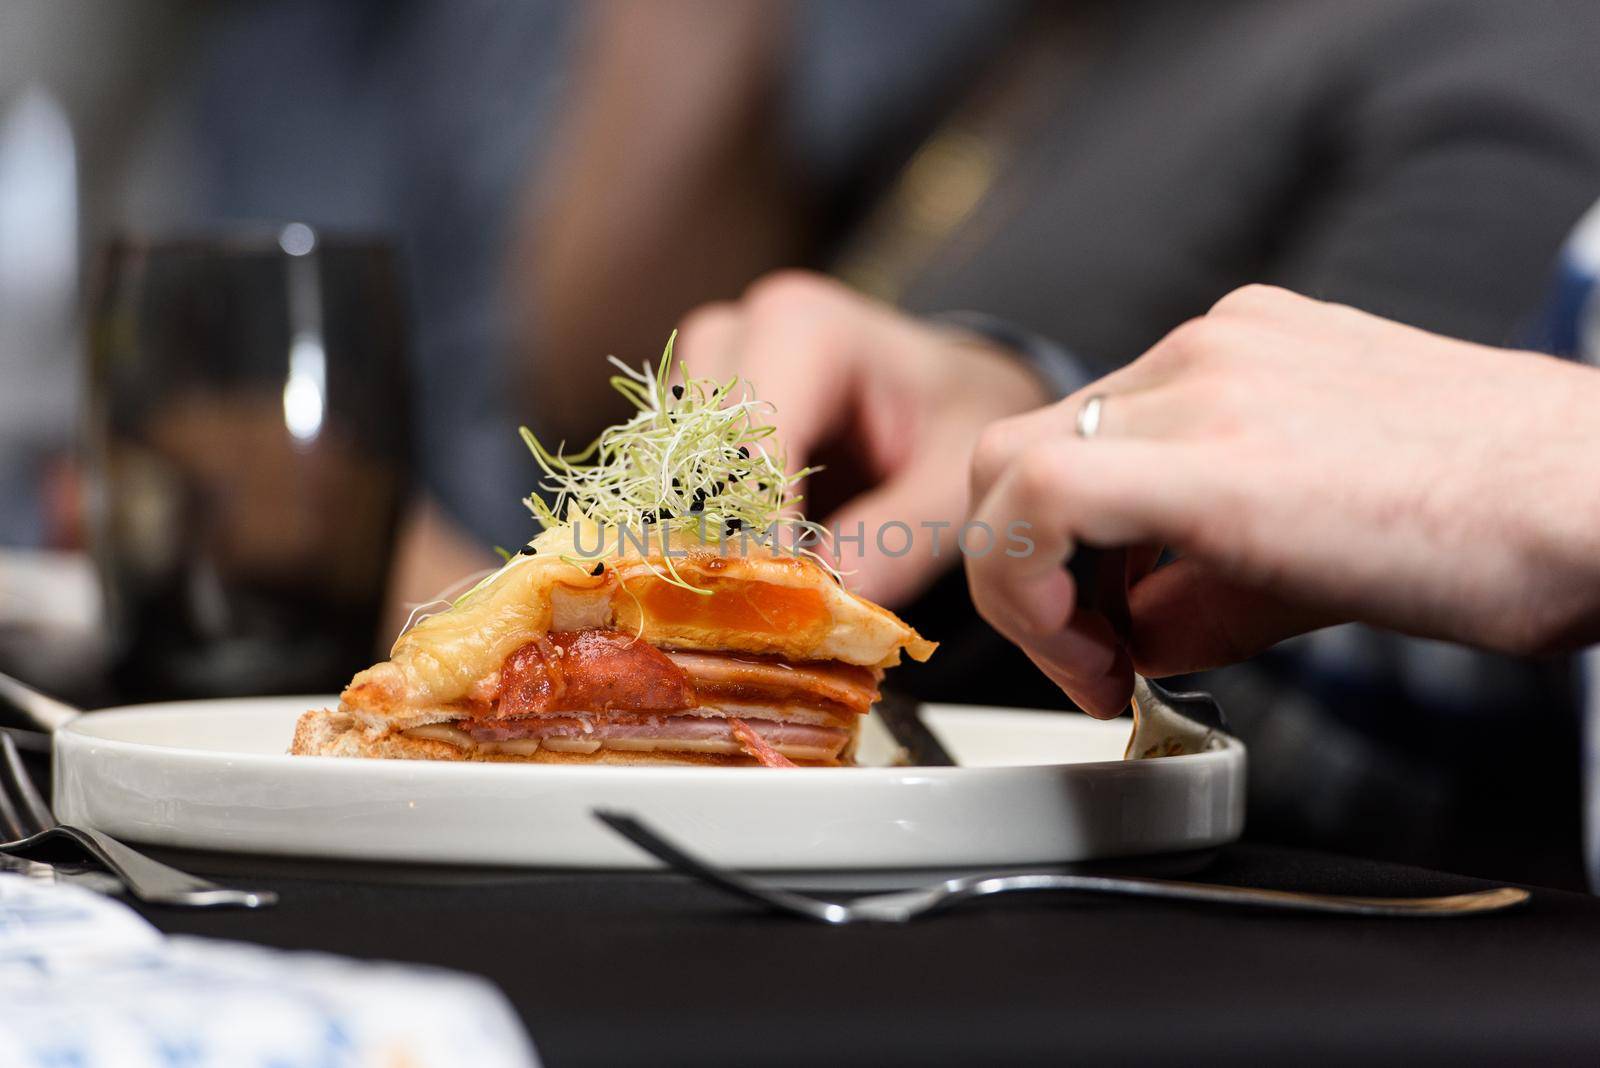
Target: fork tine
[10, 820]
[26, 791]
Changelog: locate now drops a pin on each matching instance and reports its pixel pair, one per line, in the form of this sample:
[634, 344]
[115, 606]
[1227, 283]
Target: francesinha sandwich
[663, 616]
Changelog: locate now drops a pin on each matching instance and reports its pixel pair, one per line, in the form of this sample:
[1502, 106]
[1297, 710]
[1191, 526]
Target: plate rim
[835, 819]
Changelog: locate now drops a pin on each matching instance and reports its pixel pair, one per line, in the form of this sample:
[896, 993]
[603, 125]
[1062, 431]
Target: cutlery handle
[1500, 897]
[45, 711]
[155, 883]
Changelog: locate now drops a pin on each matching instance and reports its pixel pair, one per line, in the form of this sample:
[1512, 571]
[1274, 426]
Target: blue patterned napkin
[86, 983]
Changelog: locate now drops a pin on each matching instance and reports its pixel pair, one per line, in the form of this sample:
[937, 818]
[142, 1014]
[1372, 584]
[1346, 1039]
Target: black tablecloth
[614, 969]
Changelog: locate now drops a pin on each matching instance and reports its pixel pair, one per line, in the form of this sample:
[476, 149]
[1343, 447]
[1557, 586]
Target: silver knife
[902, 716]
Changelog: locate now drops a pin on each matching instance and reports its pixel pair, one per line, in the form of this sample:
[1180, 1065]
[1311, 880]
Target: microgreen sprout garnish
[449, 597]
[696, 456]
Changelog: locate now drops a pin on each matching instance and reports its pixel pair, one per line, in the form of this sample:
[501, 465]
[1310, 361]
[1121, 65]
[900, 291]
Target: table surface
[614, 968]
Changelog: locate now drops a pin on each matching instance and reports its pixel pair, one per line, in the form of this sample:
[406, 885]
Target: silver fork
[29, 823]
[904, 905]
[90, 878]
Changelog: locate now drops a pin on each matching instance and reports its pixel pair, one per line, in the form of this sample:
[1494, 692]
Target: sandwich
[672, 611]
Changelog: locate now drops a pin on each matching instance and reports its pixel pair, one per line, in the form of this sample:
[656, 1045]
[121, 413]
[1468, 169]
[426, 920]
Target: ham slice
[768, 681]
[760, 740]
[605, 670]
[757, 747]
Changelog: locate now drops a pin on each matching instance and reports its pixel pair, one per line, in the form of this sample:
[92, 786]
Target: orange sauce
[750, 607]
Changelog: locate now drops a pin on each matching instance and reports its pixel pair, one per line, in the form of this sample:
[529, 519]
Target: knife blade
[903, 719]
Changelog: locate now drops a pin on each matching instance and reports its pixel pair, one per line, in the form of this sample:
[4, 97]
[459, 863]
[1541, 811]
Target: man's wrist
[1057, 370]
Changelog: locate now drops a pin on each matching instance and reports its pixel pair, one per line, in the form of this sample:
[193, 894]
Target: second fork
[28, 824]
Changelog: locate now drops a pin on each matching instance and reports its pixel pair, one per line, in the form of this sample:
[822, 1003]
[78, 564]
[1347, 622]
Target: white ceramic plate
[1033, 788]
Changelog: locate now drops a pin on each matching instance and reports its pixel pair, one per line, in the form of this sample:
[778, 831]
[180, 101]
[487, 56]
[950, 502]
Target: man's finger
[804, 347]
[1186, 617]
[1142, 560]
[1109, 493]
[708, 341]
[901, 535]
[1088, 640]
[1004, 440]
[1135, 403]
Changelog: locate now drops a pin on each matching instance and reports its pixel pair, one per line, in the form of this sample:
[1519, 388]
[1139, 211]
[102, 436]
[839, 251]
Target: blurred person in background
[429, 122]
[1125, 168]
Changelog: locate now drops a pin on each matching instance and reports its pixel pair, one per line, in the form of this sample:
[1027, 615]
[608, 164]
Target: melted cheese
[762, 602]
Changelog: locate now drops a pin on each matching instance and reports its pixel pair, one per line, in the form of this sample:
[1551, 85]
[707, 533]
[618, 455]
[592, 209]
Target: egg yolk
[750, 607]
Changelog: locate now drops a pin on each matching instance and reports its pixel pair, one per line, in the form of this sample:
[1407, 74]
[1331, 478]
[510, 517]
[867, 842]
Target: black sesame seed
[526, 550]
[697, 507]
[665, 514]
[762, 486]
[734, 524]
[745, 452]
[647, 517]
[677, 391]
[598, 569]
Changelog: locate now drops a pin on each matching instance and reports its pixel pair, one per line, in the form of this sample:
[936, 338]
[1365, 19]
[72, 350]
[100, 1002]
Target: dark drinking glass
[247, 458]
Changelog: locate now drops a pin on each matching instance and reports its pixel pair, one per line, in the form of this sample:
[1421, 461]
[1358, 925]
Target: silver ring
[1088, 424]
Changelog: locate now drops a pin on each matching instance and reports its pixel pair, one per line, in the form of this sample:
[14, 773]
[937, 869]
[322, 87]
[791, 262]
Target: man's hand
[1310, 464]
[906, 401]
